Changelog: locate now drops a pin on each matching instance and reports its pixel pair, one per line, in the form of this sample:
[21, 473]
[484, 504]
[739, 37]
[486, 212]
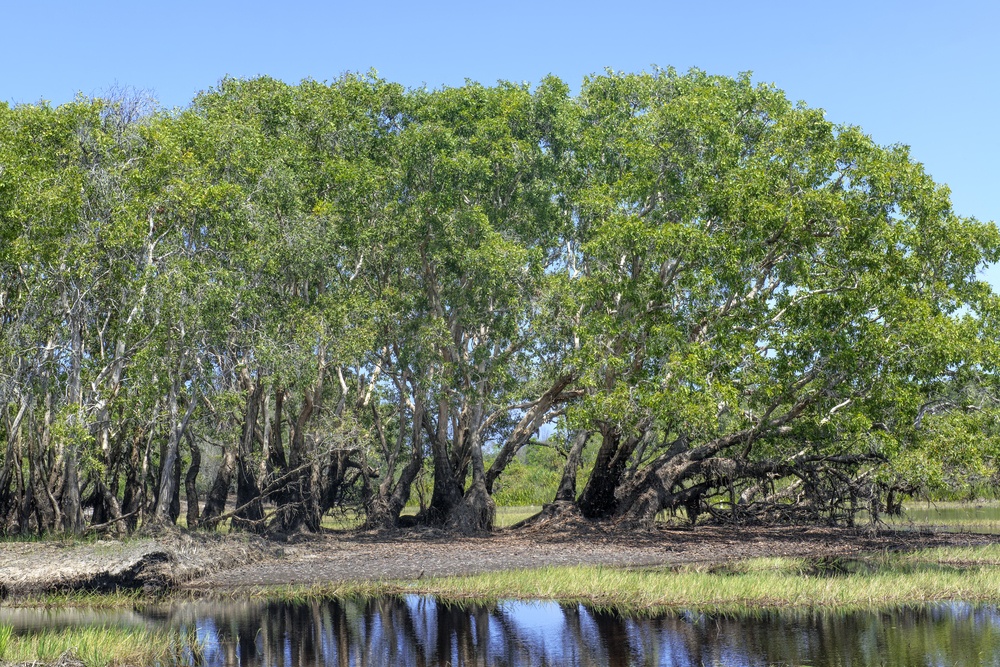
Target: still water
[955, 517]
[419, 631]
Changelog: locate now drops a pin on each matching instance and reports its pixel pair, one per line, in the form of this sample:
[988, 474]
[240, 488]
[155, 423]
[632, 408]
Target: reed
[98, 647]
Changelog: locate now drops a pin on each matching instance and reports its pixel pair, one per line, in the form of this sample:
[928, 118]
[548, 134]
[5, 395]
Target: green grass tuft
[97, 646]
[6, 633]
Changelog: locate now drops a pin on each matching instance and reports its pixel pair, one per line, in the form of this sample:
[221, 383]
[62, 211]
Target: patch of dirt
[202, 562]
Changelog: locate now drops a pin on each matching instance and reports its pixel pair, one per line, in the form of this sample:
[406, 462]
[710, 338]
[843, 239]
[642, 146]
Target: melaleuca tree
[309, 164]
[326, 287]
[477, 228]
[764, 288]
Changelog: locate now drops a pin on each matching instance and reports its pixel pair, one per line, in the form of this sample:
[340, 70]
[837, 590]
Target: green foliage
[696, 264]
[954, 455]
[533, 477]
[532, 481]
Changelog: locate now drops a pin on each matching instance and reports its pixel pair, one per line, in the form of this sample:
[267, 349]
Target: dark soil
[195, 561]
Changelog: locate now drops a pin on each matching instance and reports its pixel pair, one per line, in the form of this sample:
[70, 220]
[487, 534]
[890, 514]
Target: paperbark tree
[762, 287]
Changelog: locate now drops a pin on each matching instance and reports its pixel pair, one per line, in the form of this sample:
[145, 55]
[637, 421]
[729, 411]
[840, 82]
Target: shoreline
[197, 564]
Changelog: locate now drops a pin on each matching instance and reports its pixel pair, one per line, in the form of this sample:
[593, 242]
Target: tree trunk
[567, 485]
[277, 460]
[530, 422]
[46, 510]
[22, 493]
[598, 498]
[336, 477]
[111, 511]
[175, 497]
[168, 497]
[72, 509]
[163, 511]
[191, 482]
[251, 517]
[69, 499]
[447, 492]
[651, 490]
[477, 511]
[132, 497]
[9, 502]
[27, 506]
[392, 495]
[298, 503]
[215, 502]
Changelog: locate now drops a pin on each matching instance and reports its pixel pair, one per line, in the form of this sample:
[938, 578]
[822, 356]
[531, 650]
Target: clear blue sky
[921, 73]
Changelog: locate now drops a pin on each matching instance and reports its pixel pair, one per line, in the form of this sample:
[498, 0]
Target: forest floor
[197, 562]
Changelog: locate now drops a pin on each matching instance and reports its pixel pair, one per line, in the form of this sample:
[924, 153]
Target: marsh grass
[971, 574]
[772, 583]
[875, 580]
[98, 646]
[985, 555]
[103, 600]
[6, 633]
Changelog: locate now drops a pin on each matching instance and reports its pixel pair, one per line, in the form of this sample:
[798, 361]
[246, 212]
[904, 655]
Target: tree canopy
[321, 294]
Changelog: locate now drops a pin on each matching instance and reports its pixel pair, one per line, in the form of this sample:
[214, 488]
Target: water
[956, 517]
[421, 632]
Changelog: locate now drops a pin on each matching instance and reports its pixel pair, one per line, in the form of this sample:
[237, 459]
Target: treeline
[330, 288]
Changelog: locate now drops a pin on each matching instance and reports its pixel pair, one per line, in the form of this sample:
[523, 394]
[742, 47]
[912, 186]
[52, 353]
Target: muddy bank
[148, 564]
[200, 562]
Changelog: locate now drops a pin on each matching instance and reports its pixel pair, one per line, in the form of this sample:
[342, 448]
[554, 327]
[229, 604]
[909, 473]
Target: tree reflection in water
[421, 632]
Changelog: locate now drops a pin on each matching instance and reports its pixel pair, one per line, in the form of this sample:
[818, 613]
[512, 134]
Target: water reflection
[421, 632]
[952, 517]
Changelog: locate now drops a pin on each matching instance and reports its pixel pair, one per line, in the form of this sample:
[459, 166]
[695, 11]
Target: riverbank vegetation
[865, 581]
[703, 298]
[95, 646]
[969, 574]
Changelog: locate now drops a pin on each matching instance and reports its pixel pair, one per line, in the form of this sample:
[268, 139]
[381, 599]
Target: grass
[95, 646]
[960, 557]
[6, 635]
[768, 583]
[92, 600]
[346, 520]
[970, 574]
[508, 516]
